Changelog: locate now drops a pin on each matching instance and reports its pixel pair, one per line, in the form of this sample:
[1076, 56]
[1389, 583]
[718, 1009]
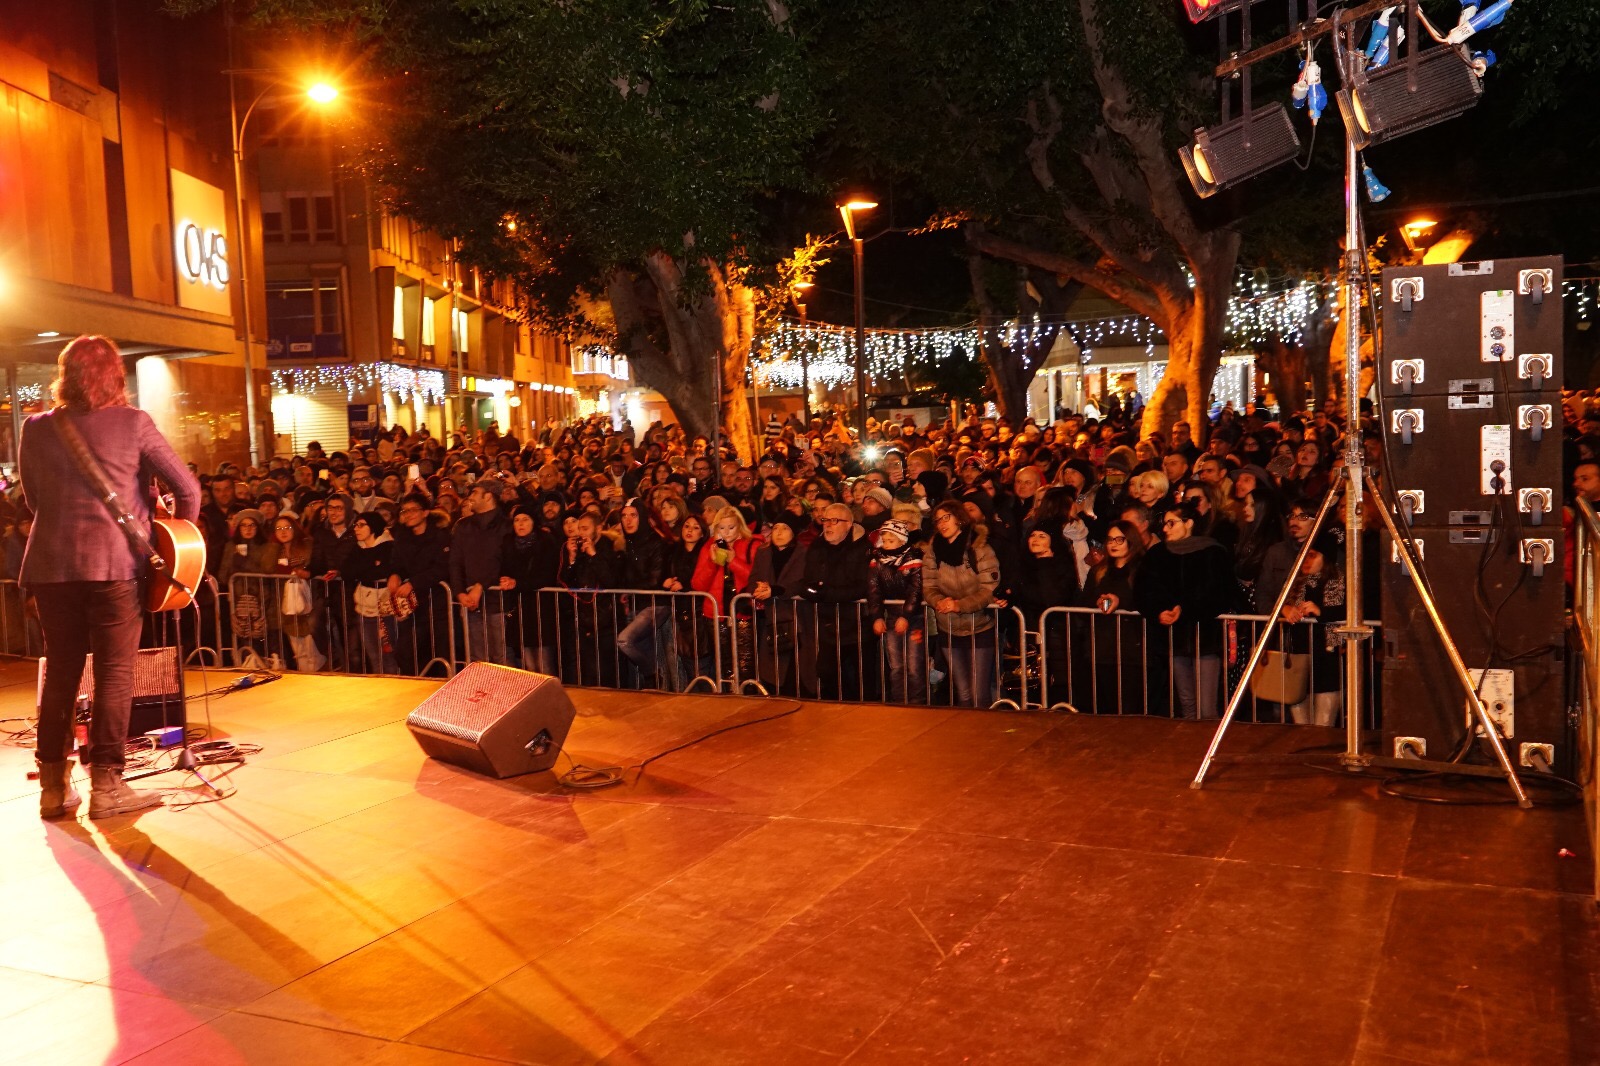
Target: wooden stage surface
[854, 885]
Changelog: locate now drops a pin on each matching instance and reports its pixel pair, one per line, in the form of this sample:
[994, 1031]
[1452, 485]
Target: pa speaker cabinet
[1471, 364]
[495, 720]
[157, 689]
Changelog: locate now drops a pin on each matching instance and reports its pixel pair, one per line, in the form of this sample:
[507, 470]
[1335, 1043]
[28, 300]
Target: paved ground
[848, 884]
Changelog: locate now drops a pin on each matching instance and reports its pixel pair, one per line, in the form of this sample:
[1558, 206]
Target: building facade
[369, 318]
[117, 212]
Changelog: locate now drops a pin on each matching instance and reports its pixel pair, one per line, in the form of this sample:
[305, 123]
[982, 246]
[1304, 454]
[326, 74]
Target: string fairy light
[355, 378]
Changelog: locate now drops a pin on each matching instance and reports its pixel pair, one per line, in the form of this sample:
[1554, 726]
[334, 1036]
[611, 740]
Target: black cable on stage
[592, 777]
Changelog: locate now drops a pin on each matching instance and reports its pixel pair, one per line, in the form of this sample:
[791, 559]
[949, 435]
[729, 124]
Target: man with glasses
[422, 550]
[836, 578]
[363, 494]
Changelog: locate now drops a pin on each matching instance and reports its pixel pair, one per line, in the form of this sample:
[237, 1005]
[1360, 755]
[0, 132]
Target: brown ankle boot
[109, 795]
[57, 797]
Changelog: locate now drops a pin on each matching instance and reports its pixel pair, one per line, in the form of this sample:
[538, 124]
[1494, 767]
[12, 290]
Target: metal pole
[456, 356]
[805, 373]
[861, 337]
[244, 262]
[16, 418]
[1354, 630]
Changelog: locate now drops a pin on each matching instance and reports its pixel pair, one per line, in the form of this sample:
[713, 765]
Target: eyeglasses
[1116, 540]
[836, 521]
[1299, 517]
[1170, 523]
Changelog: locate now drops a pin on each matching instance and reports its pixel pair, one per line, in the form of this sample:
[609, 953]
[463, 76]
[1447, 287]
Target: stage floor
[846, 885]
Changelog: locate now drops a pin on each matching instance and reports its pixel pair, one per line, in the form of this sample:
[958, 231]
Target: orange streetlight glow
[322, 92]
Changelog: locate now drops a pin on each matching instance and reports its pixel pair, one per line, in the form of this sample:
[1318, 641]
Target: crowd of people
[899, 565]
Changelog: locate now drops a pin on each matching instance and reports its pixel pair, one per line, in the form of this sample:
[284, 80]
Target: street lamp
[797, 293]
[847, 211]
[319, 92]
[1413, 232]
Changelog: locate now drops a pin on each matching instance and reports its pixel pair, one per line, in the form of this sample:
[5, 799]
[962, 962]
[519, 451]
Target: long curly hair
[89, 375]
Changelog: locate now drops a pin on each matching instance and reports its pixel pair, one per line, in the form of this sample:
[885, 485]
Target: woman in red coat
[725, 564]
[724, 572]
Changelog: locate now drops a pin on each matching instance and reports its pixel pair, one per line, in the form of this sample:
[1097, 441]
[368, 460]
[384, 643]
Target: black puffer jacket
[896, 575]
[641, 564]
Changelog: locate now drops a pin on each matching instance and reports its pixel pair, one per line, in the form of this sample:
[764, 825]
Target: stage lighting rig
[1239, 149]
[1407, 95]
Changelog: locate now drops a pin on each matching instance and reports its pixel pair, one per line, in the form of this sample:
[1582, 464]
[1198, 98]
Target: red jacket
[709, 577]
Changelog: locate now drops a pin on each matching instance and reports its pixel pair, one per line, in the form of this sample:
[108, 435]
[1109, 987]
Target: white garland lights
[356, 378]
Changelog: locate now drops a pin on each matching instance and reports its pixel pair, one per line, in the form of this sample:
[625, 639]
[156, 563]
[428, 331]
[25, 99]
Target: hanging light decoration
[355, 378]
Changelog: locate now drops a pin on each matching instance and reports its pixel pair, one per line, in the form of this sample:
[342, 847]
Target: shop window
[399, 313]
[427, 322]
[458, 331]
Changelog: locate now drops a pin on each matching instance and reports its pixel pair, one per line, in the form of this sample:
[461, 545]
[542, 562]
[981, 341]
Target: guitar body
[183, 549]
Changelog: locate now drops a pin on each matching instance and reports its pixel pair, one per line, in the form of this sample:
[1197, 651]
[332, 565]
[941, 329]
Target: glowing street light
[319, 92]
[847, 211]
[1413, 232]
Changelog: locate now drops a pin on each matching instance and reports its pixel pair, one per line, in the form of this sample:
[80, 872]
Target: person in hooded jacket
[643, 566]
[1184, 583]
[959, 577]
[533, 561]
[775, 580]
[896, 574]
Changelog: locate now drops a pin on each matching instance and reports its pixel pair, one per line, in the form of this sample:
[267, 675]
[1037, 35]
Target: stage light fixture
[1240, 148]
[1201, 10]
[1383, 106]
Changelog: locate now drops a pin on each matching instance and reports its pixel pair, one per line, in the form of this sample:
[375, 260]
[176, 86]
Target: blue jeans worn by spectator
[907, 681]
[972, 669]
[485, 631]
[639, 645]
[1197, 680]
[373, 633]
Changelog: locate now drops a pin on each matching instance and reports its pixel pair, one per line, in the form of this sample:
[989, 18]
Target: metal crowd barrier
[610, 638]
[1119, 662]
[809, 650]
[200, 626]
[334, 635]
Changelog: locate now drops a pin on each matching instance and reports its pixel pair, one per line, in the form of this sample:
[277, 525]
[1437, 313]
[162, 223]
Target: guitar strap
[95, 475]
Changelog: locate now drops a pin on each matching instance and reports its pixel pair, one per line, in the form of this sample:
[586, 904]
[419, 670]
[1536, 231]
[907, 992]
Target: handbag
[373, 603]
[1282, 677]
[296, 598]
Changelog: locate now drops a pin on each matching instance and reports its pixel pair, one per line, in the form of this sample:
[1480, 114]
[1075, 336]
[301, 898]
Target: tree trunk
[1194, 339]
[1286, 363]
[681, 344]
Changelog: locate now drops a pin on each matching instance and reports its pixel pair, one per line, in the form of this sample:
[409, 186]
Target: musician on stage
[81, 570]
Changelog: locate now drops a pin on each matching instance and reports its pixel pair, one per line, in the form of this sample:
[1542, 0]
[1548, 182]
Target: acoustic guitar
[177, 543]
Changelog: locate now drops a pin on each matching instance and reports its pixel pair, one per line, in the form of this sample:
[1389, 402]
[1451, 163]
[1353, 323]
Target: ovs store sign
[200, 245]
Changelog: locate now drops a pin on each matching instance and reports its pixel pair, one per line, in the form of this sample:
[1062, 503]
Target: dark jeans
[79, 617]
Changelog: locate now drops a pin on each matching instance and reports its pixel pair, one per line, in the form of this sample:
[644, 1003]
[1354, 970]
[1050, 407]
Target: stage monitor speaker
[157, 689]
[495, 720]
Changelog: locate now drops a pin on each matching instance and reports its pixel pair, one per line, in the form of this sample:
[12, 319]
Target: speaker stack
[495, 720]
[1471, 386]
